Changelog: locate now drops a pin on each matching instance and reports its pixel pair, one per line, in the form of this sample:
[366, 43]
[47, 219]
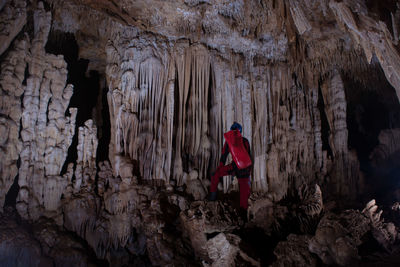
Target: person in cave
[241, 166]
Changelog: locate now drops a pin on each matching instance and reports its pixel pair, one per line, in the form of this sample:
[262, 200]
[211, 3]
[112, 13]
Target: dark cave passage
[373, 107]
[325, 129]
[258, 245]
[103, 126]
[11, 196]
[86, 85]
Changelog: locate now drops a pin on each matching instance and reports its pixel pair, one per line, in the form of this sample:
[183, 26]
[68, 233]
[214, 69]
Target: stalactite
[196, 142]
[261, 133]
[374, 37]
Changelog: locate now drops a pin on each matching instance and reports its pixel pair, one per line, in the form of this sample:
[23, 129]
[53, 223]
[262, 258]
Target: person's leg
[220, 172]
[244, 188]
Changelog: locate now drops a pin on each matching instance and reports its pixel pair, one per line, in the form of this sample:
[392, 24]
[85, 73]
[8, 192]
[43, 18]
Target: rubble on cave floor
[171, 229]
[42, 243]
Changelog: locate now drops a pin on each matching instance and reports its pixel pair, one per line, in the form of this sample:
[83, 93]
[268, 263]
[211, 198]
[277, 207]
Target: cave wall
[194, 94]
[175, 81]
[171, 99]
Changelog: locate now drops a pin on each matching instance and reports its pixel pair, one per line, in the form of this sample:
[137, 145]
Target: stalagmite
[346, 162]
[112, 121]
[11, 85]
[45, 100]
[85, 169]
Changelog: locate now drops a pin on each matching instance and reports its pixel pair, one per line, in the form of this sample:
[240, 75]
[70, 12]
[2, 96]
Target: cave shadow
[372, 106]
[89, 96]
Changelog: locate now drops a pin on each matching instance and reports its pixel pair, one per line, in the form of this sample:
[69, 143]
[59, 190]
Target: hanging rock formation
[310, 81]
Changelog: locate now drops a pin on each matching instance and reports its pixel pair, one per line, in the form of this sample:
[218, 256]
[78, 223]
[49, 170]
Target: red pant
[244, 183]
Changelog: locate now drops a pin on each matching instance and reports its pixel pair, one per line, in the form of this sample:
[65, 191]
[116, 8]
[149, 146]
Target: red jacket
[244, 173]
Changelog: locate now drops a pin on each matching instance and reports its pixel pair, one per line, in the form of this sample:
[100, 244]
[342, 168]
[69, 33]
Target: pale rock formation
[144, 92]
[11, 86]
[46, 132]
[385, 233]
[178, 74]
[85, 170]
[146, 77]
[224, 250]
[300, 20]
[206, 218]
[373, 36]
[13, 16]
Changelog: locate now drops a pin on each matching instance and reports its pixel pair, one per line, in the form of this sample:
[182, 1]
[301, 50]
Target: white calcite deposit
[315, 84]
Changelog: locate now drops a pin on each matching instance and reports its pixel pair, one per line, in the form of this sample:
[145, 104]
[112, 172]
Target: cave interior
[112, 115]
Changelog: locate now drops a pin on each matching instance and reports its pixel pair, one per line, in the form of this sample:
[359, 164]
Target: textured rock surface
[389, 144]
[129, 175]
[42, 245]
[294, 252]
[338, 238]
[13, 17]
[46, 132]
[12, 76]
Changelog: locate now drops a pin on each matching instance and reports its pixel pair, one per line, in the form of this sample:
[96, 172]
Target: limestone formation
[85, 172]
[13, 17]
[11, 83]
[337, 238]
[385, 233]
[46, 132]
[112, 116]
[373, 36]
[224, 251]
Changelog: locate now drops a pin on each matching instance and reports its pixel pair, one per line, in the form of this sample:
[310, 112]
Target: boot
[212, 196]
[243, 214]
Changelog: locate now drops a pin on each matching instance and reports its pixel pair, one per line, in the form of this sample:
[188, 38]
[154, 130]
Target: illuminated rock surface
[112, 116]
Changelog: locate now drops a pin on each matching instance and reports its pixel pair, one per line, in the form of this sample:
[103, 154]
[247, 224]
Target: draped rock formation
[123, 161]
